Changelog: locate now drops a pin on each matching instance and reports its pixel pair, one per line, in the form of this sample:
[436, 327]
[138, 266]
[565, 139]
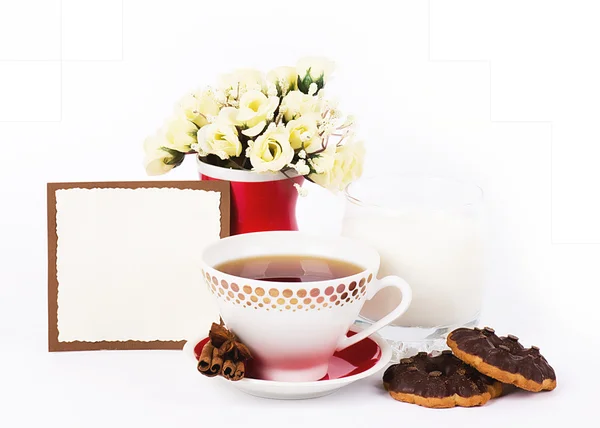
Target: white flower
[315, 66]
[296, 103]
[323, 161]
[271, 151]
[313, 70]
[235, 84]
[199, 107]
[219, 138]
[336, 170]
[158, 158]
[301, 167]
[254, 110]
[272, 90]
[353, 158]
[285, 79]
[304, 132]
[301, 191]
[348, 122]
[220, 96]
[180, 133]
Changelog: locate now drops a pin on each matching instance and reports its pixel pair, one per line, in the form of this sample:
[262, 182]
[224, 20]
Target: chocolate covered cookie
[503, 358]
[442, 381]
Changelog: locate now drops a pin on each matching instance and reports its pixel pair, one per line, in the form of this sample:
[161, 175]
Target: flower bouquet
[274, 126]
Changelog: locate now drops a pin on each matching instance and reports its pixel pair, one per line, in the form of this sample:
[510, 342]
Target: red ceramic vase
[259, 201]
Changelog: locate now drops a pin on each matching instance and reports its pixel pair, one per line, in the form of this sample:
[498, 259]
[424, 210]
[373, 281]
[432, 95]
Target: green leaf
[176, 157]
[320, 82]
[304, 83]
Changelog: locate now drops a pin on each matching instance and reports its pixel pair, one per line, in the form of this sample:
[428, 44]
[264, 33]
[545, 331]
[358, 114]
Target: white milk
[439, 253]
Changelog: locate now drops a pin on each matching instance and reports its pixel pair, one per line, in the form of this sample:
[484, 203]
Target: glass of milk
[428, 230]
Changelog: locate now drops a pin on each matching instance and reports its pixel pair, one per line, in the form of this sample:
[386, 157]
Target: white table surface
[163, 389]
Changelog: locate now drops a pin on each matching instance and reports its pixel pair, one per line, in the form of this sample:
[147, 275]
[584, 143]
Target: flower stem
[233, 164]
[284, 172]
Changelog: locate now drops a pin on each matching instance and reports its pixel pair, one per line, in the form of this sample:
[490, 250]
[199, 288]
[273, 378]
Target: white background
[501, 93]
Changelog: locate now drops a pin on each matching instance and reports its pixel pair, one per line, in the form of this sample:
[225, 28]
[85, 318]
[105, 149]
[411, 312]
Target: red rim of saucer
[351, 361]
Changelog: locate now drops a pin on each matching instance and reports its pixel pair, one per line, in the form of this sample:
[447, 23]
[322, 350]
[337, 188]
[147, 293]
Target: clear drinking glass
[429, 231]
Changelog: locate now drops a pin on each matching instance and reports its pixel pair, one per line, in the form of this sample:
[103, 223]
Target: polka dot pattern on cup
[288, 299]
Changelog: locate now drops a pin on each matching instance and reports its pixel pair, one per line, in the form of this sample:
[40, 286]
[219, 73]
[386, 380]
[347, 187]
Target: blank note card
[127, 262]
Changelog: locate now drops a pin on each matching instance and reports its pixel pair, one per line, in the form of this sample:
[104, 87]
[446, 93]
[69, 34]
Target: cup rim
[293, 285]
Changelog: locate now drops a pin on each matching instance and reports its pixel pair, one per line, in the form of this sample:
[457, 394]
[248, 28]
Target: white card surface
[128, 263]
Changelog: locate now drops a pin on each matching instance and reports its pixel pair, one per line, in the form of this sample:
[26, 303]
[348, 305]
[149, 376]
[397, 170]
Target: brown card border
[53, 342]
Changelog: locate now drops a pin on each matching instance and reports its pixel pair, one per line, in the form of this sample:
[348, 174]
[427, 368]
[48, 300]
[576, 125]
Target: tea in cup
[291, 297]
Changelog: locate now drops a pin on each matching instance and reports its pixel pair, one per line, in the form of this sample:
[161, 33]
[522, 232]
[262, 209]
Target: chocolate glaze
[506, 353]
[440, 376]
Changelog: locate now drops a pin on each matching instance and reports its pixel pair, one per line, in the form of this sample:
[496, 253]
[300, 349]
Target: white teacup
[293, 329]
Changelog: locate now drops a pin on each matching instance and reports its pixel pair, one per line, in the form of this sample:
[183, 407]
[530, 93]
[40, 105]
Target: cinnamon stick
[216, 362]
[240, 371]
[205, 360]
[228, 371]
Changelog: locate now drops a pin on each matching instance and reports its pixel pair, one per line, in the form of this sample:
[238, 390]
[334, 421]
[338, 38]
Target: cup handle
[388, 281]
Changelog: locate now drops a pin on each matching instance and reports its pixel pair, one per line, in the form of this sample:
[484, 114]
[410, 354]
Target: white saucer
[341, 368]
